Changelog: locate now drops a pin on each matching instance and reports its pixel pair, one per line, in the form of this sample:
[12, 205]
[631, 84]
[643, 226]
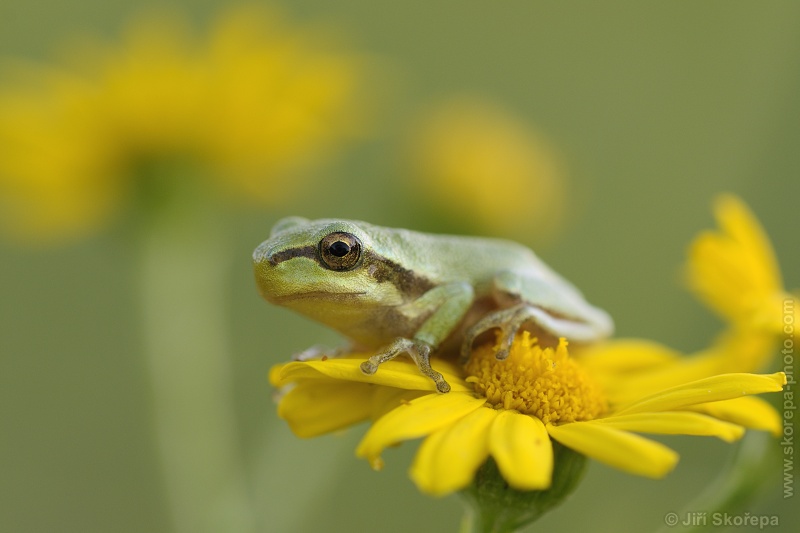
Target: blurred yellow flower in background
[257, 101]
[734, 271]
[169, 122]
[467, 150]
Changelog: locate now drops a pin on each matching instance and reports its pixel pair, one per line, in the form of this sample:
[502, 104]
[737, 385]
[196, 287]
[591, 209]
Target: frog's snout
[264, 254]
[263, 267]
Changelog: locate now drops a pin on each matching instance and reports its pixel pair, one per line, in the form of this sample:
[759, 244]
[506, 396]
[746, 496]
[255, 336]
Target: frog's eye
[340, 250]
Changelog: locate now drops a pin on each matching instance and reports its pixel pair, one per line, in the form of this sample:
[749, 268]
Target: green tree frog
[395, 291]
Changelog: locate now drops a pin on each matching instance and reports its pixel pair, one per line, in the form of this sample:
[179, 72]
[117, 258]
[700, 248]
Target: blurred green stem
[183, 269]
[751, 466]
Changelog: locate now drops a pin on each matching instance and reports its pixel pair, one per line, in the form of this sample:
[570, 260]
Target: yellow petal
[448, 459]
[713, 389]
[734, 270]
[626, 355]
[321, 406]
[748, 411]
[639, 385]
[675, 423]
[387, 398]
[741, 350]
[738, 221]
[398, 374]
[523, 451]
[274, 375]
[416, 418]
[620, 449]
[686, 370]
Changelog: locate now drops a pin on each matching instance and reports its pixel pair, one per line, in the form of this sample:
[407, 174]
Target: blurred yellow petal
[521, 447]
[736, 350]
[50, 157]
[448, 458]
[675, 423]
[734, 270]
[748, 411]
[626, 355]
[315, 408]
[713, 389]
[641, 384]
[742, 350]
[398, 374]
[620, 449]
[274, 375]
[738, 221]
[416, 418]
[648, 365]
[467, 150]
[284, 99]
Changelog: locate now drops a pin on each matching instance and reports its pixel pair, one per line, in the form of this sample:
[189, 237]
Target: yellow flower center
[543, 382]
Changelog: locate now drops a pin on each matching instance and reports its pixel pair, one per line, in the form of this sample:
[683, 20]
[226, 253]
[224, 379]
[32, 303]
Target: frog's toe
[501, 355]
[369, 368]
[442, 385]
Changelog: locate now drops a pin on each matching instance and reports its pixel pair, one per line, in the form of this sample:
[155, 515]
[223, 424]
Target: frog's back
[445, 258]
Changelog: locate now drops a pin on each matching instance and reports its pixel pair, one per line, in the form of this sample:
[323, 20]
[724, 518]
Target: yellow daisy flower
[512, 410]
[256, 103]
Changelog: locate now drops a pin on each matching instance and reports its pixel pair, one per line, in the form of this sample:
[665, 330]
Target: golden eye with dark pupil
[340, 250]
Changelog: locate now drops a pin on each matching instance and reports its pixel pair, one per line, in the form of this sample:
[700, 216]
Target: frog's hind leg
[549, 302]
[420, 353]
[509, 321]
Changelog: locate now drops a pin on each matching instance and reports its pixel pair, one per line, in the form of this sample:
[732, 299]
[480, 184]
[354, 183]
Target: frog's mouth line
[322, 295]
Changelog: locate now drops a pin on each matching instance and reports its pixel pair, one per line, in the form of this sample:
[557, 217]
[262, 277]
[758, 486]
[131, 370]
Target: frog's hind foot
[508, 321]
[420, 353]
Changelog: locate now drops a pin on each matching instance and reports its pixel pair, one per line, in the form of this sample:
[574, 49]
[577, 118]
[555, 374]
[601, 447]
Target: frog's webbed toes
[419, 351]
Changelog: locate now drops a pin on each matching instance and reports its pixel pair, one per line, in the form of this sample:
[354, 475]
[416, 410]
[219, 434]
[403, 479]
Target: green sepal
[498, 508]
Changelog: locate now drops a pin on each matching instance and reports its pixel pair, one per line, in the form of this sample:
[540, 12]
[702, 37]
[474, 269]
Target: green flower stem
[497, 508]
[184, 262]
[751, 466]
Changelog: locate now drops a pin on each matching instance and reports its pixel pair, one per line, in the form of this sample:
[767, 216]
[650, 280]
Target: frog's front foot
[420, 353]
[508, 321]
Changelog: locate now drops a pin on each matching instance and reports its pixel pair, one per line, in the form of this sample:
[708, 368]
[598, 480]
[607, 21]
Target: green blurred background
[653, 109]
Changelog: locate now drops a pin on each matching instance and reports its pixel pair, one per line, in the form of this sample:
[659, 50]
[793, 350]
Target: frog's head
[324, 268]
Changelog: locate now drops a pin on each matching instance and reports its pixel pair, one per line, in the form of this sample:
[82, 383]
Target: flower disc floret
[542, 382]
